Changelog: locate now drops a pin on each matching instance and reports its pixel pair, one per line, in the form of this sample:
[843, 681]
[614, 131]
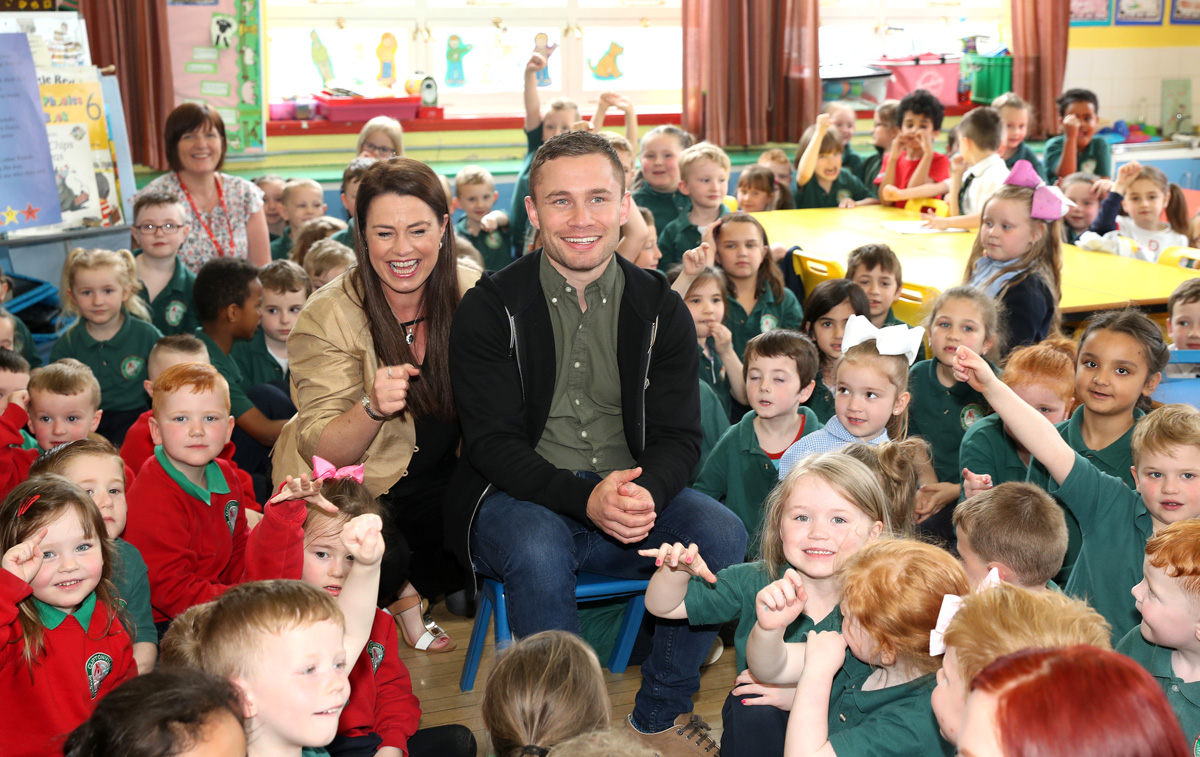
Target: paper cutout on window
[540, 46]
[455, 50]
[320, 58]
[606, 69]
[223, 29]
[386, 53]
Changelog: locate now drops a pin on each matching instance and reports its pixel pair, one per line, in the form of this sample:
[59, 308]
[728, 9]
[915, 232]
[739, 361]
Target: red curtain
[750, 70]
[1039, 51]
[133, 37]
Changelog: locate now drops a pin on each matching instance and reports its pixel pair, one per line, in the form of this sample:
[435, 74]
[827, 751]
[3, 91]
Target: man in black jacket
[575, 376]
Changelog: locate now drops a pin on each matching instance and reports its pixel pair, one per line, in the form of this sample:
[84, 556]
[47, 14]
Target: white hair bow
[889, 340]
[951, 604]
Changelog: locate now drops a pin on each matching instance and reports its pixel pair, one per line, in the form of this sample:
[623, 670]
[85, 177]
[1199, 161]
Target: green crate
[990, 77]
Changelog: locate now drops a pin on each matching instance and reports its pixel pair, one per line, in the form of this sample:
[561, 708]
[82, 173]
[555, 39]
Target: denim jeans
[536, 553]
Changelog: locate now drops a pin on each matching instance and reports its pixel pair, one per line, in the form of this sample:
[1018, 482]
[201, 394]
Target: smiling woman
[224, 213]
[371, 379]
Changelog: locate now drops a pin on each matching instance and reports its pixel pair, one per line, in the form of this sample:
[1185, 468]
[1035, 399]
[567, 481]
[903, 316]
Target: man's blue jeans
[536, 553]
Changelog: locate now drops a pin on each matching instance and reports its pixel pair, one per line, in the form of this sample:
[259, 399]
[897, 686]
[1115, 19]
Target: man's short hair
[574, 144]
[1019, 525]
[697, 154]
[983, 126]
[221, 282]
[66, 377]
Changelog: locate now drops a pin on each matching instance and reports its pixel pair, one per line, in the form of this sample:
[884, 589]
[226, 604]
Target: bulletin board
[216, 58]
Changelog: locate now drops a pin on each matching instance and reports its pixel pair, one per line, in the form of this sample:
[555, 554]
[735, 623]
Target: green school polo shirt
[897, 720]
[1023, 152]
[494, 246]
[712, 372]
[767, 315]
[678, 237]
[851, 161]
[52, 617]
[214, 479]
[25, 344]
[1115, 526]
[714, 422]
[518, 219]
[821, 401]
[256, 362]
[732, 598]
[871, 166]
[811, 195]
[282, 246]
[664, 206]
[172, 311]
[892, 320]
[1184, 698]
[346, 235]
[132, 580]
[118, 363]
[1095, 158]
[741, 475]
[987, 449]
[941, 416]
[239, 403]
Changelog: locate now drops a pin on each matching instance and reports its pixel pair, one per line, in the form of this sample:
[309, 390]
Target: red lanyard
[200, 218]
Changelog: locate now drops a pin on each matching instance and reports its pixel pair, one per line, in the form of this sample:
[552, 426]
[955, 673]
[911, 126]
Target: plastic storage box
[991, 76]
[366, 108]
[936, 73]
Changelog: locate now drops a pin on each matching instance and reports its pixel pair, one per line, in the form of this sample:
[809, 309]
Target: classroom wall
[1125, 64]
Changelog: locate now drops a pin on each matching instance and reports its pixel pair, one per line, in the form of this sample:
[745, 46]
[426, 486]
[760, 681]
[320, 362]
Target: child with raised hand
[96, 467]
[63, 643]
[272, 189]
[381, 713]
[870, 390]
[1167, 643]
[899, 465]
[876, 268]
[620, 102]
[302, 201]
[884, 130]
[757, 300]
[351, 179]
[911, 161]
[874, 700]
[1085, 190]
[486, 229]
[658, 183]
[1017, 256]
[1077, 148]
[842, 118]
[742, 469]
[826, 312]
[1015, 114]
[113, 335]
[544, 689]
[825, 510]
[159, 228]
[703, 179]
[1015, 529]
[1183, 326]
[942, 408]
[821, 179]
[1128, 222]
[1114, 521]
[997, 621]
[539, 128]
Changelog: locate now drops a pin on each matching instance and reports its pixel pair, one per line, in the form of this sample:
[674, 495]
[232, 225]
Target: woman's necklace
[410, 329]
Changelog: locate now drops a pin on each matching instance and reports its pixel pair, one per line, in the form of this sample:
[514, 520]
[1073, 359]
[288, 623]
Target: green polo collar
[1116, 455]
[553, 281]
[52, 617]
[212, 474]
[82, 339]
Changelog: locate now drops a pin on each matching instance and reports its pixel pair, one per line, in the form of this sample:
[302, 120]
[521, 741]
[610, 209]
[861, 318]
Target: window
[859, 31]
[476, 50]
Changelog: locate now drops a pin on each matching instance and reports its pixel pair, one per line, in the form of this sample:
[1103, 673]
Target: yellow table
[1092, 281]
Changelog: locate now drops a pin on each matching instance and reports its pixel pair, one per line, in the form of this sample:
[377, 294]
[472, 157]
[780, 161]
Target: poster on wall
[28, 194]
[1185, 12]
[216, 59]
[55, 39]
[1091, 12]
[1139, 12]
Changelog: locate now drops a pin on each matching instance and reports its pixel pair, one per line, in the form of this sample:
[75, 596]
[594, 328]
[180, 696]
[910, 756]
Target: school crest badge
[175, 312]
[132, 367]
[375, 649]
[98, 667]
[493, 240]
[970, 414]
[843, 194]
[231, 511]
[769, 322]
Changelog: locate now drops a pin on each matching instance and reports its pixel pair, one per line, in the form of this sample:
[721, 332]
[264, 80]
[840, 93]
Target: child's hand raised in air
[537, 62]
[696, 259]
[25, 559]
[780, 602]
[975, 483]
[824, 652]
[1125, 176]
[675, 556]
[972, 369]
[824, 121]
[363, 537]
[304, 489]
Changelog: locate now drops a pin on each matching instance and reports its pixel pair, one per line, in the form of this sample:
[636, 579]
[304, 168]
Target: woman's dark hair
[158, 714]
[828, 295]
[769, 274]
[1133, 323]
[430, 394]
[189, 117]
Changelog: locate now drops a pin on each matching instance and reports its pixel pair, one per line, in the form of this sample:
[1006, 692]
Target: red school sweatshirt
[14, 461]
[44, 703]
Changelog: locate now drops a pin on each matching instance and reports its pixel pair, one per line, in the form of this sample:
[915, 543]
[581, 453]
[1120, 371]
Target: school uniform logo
[175, 313]
[132, 367]
[375, 649]
[493, 240]
[231, 511]
[843, 194]
[970, 414]
[98, 667]
[769, 322]
[1089, 166]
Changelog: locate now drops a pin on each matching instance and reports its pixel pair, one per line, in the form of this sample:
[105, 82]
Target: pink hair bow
[322, 468]
[951, 604]
[1049, 203]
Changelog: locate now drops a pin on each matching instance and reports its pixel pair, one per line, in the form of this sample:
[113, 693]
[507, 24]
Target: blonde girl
[899, 466]
[891, 595]
[1015, 114]
[656, 187]
[826, 313]
[1132, 210]
[62, 634]
[99, 286]
[1017, 257]
[815, 519]
[757, 300]
[870, 394]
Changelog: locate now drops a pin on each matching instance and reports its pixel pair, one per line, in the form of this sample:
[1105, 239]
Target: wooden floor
[435, 682]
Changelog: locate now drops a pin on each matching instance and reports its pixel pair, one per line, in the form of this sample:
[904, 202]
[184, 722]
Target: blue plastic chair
[589, 587]
[1180, 390]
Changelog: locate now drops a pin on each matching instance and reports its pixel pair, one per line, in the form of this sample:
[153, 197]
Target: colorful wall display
[28, 191]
